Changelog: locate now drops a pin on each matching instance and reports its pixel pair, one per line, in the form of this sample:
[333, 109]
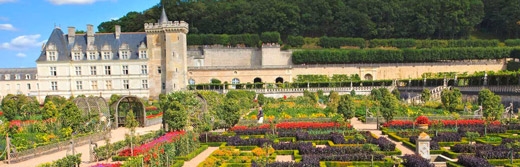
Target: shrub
[270, 37]
[468, 160]
[422, 120]
[413, 160]
[294, 41]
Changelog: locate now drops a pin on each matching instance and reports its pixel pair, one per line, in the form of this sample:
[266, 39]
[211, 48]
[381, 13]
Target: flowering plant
[107, 165]
[422, 120]
[168, 137]
[154, 115]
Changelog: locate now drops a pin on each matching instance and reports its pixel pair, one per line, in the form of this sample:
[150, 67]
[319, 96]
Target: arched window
[191, 81]
[368, 77]
[235, 81]
[257, 80]
[278, 80]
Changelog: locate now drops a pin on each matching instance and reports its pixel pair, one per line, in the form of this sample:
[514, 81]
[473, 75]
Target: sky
[27, 24]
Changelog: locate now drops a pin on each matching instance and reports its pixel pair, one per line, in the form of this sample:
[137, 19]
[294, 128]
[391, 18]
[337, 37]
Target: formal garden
[309, 130]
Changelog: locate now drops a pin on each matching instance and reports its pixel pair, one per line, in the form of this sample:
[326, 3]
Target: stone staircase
[435, 95]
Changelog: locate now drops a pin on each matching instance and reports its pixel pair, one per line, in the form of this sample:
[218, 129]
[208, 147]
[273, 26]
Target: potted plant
[422, 122]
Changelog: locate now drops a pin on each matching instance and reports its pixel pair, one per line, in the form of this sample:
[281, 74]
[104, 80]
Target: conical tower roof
[164, 18]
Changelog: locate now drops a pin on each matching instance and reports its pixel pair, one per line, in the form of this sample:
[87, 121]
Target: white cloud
[75, 2]
[8, 27]
[22, 42]
[7, 1]
[21, 55]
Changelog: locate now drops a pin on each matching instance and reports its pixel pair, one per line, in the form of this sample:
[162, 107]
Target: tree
[49, 110]
[70, 116]
[346, 107]
[131, 124]
[334, 99]
[229, 111]
[451, 99]
[389, 104]
[9, 108]
[396, 93]
[177, 117]
[425, 94]
[491, 104]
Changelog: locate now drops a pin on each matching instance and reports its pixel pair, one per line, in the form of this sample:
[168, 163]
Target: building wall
[66, 78]
[378, 72]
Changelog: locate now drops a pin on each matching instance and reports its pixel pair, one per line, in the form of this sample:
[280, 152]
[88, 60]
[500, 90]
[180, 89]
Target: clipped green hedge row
[68, 161]
[338, 42]
[336, 56]
[419, 44]
[249, 40]
[512, 42]
[295, 41]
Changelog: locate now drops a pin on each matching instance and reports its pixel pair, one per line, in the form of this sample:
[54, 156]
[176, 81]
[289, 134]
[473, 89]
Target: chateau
[146, 64]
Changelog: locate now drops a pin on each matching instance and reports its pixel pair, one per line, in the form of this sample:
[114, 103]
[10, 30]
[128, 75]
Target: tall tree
[451, 99]
[491, 104]
[346, 107]
[229, 111]
[70, 116]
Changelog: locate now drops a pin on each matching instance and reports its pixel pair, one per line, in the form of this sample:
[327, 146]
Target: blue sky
[26, 24]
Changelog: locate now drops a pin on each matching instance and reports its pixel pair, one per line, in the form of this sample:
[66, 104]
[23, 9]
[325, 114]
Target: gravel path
[199, 158]
[116, 135]
[373, 129]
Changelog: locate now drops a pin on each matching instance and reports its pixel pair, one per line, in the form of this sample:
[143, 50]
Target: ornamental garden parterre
[309, 130]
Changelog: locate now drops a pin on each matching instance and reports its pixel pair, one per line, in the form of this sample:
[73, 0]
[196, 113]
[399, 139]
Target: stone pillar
[423, 145]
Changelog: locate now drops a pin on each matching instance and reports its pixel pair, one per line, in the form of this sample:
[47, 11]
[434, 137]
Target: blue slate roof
[17, 71]
[60, 40]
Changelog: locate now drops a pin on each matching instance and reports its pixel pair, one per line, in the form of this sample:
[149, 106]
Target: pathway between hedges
[116, 135]
[373, 129]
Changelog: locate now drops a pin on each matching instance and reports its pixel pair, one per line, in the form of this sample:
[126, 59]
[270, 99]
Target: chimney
[90, 34]
[118, 31]
[72, 35]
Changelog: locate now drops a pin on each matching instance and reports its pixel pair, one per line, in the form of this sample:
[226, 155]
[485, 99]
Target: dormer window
[106, 56]
[52, 56]
[27, 76]
[77, 56]
[17, 76]
[124, 55]
[92, 56]
[7, 76]
[142, 54]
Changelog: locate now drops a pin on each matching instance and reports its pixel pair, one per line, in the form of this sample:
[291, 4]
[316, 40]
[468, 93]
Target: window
[18, 87]
[8, 87]
[93, 70]
[159, 69]
[77, 56]
[107, 70]
[106, 55]
[79, 85]
[144, 69]
[7, 76]
[17, 76]
[125, 70]
[163, 86]
[191, 81]
[124, 55]
[235, 81]
[125, 84]
[142, 54]
[145, 84]
[52, 56]
[92, 56]
[94, 85]
[28, 86]
[108, 84]
[53, 71]
[54, 85]
[78, 70]
[27, 76]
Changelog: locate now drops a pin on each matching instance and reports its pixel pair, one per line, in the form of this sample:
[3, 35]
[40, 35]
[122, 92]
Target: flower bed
[168, 137]
[160, 114]
[404, 124]
[107, 165]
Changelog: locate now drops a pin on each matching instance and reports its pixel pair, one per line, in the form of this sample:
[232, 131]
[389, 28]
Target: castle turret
[167, 45]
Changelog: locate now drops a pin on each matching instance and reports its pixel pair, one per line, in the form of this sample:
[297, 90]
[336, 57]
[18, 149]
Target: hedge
[338, 42]
[295, 41]
[249, 40]
[398, 43]
[512, 42]
[68, 161]
[336, 56]
[270, 37]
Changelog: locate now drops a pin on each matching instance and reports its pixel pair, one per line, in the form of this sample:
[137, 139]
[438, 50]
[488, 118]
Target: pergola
[95, 109]
[125, 104]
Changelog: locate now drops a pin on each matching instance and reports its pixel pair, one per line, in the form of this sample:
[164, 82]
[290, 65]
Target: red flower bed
[107, 165]
[151, 108]
[446, 123]
[294, 125]
[422, 120]
[154, 115]
[168, 137]
[1, 113]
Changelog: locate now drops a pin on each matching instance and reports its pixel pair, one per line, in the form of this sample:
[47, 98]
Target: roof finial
[164, 18]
